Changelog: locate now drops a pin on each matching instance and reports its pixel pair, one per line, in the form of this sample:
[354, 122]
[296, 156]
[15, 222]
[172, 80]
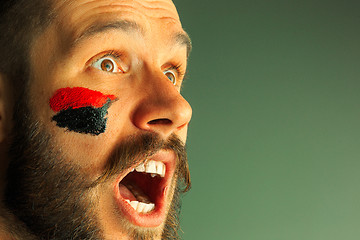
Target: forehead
[150, 8]
[77, 15]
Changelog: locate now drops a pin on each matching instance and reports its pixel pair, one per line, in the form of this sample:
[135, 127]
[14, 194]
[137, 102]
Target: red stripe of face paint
[77, 97]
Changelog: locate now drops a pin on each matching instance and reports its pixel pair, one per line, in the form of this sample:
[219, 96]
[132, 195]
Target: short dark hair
[20, 22]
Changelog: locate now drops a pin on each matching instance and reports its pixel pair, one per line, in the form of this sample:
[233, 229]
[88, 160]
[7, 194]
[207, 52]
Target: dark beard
[52, 197]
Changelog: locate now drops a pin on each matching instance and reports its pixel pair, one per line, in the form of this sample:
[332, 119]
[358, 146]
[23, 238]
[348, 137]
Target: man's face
[104, 72]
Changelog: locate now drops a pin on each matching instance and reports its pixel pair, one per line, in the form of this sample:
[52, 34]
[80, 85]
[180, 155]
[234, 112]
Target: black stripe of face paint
[87, 120]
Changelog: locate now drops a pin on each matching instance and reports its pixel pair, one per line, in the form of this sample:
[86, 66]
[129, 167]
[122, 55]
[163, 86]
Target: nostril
[160, 121]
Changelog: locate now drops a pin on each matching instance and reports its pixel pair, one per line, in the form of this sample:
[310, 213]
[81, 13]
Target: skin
[146, 99]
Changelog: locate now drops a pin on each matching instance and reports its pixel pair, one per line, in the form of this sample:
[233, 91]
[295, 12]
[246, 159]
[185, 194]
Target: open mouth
[142, 193]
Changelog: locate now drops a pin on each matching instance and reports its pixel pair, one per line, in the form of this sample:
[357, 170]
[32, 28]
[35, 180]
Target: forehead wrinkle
[169, 3]
[166, 8]
[76, 12]
[147, 8]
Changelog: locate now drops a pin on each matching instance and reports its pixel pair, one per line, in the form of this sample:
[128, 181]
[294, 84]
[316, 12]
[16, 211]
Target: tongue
[126, 193]
[133, 192]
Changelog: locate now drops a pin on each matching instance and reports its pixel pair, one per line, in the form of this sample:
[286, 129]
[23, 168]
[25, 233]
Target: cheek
[90, 154]
[182, 134]
[81, 110]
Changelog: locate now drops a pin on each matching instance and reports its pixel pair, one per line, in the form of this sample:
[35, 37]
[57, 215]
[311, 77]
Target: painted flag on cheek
[81, 110]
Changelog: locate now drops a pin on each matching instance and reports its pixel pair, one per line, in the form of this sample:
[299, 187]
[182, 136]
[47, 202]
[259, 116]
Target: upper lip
[157, 216]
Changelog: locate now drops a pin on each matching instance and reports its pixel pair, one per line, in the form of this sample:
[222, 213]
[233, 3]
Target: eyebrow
[184, 39]
[127, 26]
[123, 25]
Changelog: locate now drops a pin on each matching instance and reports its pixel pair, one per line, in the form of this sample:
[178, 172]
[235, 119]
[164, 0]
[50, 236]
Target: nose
[162, 109]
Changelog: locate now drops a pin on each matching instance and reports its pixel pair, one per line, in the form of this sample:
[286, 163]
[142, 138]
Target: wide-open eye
[171, 76]
[107, 64]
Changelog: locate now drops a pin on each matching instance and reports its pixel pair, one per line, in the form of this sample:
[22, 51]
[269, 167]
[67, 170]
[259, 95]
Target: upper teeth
[152, 167]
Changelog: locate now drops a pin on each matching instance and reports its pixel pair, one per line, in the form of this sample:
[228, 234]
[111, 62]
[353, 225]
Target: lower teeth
[141, 207]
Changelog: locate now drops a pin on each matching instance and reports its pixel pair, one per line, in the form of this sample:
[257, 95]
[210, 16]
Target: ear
[6, 107]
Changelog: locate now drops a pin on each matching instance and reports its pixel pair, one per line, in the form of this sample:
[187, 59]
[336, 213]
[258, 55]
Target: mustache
[135, 149]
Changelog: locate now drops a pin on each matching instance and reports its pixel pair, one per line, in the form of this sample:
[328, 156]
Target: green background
[274, 143]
